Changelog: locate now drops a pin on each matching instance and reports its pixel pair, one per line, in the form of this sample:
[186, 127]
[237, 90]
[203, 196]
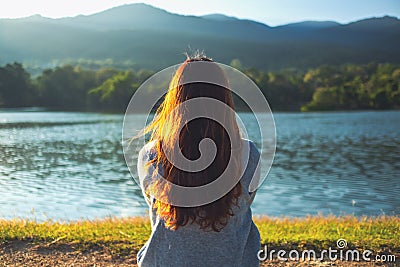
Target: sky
[271, 12]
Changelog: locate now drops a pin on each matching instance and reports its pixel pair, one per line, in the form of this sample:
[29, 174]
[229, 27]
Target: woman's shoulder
[148, 151]
[251, 163]
[251, 146]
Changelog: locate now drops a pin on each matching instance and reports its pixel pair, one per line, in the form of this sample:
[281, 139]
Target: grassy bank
[124, 236]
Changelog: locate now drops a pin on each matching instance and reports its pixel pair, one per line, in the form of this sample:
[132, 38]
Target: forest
[325, 88]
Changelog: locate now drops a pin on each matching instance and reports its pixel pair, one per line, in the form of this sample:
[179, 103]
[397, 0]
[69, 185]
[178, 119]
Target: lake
[70, 165]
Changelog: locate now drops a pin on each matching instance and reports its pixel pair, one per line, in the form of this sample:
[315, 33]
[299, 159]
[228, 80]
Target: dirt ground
[26, 253]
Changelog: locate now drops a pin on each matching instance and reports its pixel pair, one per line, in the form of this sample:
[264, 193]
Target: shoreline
[115, 241]
[113, 112]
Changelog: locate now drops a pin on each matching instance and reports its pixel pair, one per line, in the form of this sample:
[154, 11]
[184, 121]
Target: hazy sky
[271, 12]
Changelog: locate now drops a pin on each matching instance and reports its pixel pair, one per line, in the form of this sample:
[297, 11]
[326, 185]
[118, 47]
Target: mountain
[218, 17]
[311, 24]
[143, 36]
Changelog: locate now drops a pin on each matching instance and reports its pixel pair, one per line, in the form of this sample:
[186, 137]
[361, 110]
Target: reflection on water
[339, 163]
[70, 165]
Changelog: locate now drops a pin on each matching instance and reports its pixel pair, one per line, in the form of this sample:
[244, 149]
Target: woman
[219, 233]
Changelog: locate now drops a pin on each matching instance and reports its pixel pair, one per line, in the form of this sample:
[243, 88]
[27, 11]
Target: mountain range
[142, 36]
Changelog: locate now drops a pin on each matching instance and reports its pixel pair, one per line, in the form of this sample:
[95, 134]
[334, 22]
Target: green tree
[115, 92]
[16, 89]
[65, 87]
[323, 99]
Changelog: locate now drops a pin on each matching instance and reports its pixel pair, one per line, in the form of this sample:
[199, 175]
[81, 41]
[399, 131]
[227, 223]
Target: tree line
[344, 87]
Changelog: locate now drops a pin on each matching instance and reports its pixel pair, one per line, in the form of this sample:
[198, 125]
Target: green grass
[377, 234]
[124, 235]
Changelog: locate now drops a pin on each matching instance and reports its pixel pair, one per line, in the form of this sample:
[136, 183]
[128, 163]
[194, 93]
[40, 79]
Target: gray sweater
[236, 244]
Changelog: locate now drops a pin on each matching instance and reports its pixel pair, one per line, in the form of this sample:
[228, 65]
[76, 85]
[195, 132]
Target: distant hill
[147, 37]
[219, 17]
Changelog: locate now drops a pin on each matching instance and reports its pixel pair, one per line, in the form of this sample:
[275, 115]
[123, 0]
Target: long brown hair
[165, 133]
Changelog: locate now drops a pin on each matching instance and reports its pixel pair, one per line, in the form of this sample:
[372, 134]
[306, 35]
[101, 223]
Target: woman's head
[166, 131]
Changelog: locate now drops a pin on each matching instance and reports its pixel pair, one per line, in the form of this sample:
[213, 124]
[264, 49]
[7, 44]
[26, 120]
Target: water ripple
[67, 166]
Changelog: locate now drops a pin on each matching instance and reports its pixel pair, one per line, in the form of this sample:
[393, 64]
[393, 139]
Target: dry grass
[115, 241]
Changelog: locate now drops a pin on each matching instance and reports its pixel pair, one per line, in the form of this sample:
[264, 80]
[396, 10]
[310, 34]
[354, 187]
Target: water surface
[69, 165]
